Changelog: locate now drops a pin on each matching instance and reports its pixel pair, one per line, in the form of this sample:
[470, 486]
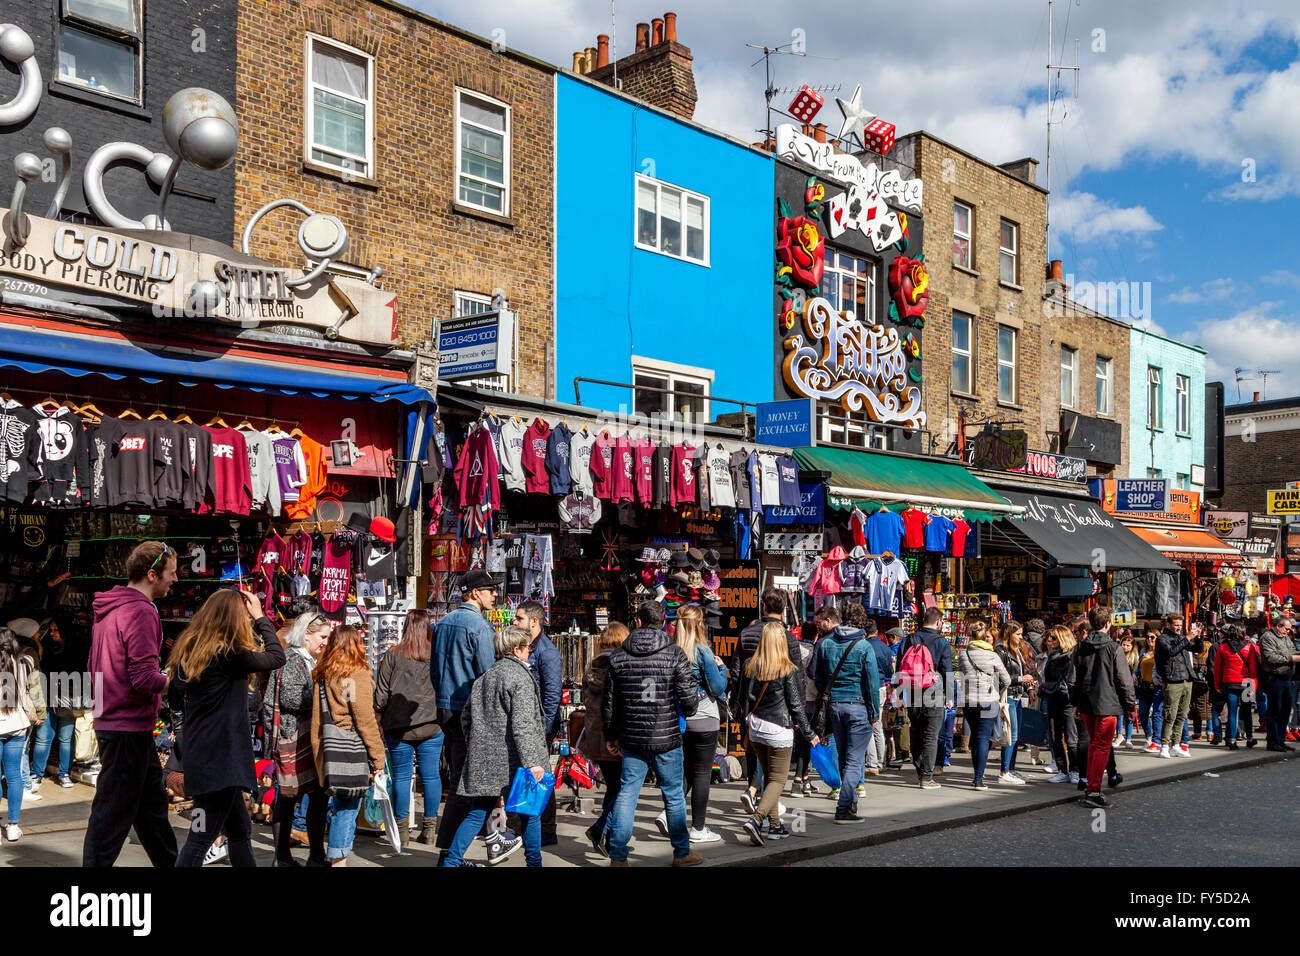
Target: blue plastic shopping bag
[527, 796]
[826, 761]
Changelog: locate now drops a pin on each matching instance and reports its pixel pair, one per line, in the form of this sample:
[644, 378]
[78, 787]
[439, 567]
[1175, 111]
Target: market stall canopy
[114, 357]
[861, 478]
[1076, 532]
[1285, 587]
[1188, 544]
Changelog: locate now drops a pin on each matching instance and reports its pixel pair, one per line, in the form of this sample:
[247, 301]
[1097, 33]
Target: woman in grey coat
[984, 678]
[502, 721]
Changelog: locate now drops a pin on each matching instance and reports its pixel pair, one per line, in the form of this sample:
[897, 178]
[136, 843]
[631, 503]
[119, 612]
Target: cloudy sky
[1176, 168]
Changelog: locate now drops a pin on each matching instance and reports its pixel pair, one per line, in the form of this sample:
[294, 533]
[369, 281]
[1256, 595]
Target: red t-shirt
[684, 492]
[624, 466]
[233, 480]
[602, 467]
[959, 531]
[914, 522]
[535, 439]
[644, 461]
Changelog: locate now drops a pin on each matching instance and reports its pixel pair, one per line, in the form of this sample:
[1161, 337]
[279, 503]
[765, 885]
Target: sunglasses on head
[167, 549]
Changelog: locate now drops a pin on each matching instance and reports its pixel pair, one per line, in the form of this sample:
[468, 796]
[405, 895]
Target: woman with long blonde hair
[700, 739]
[1058, 678]
[1018, 658]
[774, 702]
[210, 667]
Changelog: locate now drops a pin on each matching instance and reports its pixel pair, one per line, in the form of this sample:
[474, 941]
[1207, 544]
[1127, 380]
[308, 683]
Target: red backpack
[916, 669]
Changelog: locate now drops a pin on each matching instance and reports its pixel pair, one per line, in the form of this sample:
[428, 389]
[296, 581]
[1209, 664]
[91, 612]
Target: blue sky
[1148, 179]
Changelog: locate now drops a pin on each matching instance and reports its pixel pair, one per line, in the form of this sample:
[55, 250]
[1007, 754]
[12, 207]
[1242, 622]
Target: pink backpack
[916, 669]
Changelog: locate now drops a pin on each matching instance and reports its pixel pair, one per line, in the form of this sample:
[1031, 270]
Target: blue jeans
[668, 771]
[1235, 706]
[1151, 713]
[300, 812]
[343, 826]
[54, 725]
[1187, 732]
[479, 809]
[981, 721]
[426, 753]
[11, 760]
[943, 756]
[1009, 753]
[851, 728]
[1279, 700]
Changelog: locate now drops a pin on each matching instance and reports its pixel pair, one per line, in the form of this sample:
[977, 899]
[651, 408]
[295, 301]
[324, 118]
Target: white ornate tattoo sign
[837, 358]
[847, 169]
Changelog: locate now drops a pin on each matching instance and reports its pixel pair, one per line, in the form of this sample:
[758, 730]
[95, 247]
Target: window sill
[967, 395]
[342, 175]
[473, 211]
[1012, 286]
[98, 100]
[702, 263]
[970, 272]
[1017, 407]
[1182, 434]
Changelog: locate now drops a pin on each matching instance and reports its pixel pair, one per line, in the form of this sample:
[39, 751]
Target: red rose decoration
[801, 247]
[908, 283]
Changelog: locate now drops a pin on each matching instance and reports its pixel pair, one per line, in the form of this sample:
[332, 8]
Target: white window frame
[854, 432]
[1181, 481]
[1012, 251]
[673, 374]
[460, 299]
[104, 31]
[506, 148]
[309, 110]
[1183, 404]
[969, 264]
[968, 352]
[1015, 347]
[869, 281]
[1108, 387]
[1155, 399]
[1071, 400]
[659, 185]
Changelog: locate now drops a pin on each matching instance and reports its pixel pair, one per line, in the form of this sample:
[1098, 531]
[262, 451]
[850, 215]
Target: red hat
[383, 529]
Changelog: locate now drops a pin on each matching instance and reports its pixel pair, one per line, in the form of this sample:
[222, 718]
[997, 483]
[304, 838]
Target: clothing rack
[168, 405]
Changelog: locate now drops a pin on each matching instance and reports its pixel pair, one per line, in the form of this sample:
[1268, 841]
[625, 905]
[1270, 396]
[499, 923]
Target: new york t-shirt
[884, 532]
[936, 533]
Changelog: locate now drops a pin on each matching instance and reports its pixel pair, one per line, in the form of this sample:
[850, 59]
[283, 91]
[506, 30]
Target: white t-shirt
[885, 588]
[721, 493]
[580, 446]
[512, 453]
[766, 732]
[771, 492]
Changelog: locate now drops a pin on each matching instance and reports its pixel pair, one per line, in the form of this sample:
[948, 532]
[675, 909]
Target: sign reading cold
[1142, 494]
[1285, 501]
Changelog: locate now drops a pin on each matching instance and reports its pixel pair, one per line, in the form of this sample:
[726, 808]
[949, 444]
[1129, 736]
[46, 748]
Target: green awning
[868, 479]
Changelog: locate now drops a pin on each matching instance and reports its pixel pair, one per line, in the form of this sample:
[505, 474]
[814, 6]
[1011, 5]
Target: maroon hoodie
[125, 643]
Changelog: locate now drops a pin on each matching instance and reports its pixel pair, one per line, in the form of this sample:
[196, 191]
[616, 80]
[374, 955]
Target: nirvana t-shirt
[602, 467]
[683, 476]
[643, 455]
[720, 491]
[624, 466]
[580, 446]
[788, 478]
[336, 573]
[558, 449]
[535, 446]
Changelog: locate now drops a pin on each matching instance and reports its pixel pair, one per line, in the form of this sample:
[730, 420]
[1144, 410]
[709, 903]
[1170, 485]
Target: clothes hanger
[245, 426]
[183, 419]
[131, 413]
[217, 420]
[91, 413]
[157, 414]
[297, 433]
[48, 402]
[274, 429]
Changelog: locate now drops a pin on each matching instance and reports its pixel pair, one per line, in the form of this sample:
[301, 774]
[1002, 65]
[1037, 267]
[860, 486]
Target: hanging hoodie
[133, 464]
[535, 446]
[317, 476]
[580, 446]
[230, 471]
[624, 466]
[299, 561]
[643, 460]
[826, 579]
[720, 490]
[201, 489]
[174, 470]
[663, 476]
[65, 469]
[602, 467]
[558, 449]
[264, 490]
[683, 476]
[274, 552]
[290, 467]
[512, 453]
[580, 512]
[19, 452]
[477, 472]
[854, 570]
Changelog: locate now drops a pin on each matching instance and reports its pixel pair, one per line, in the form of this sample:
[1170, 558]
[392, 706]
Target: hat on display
[678, 560]
[359, 523]
[23, 627]
[712, 562]
[694, 579]
[661, 592]
[476, 580]
[696, 558]
[648, 556]
[679, 578]
[383, 529]
[664, 556]
[712, 582]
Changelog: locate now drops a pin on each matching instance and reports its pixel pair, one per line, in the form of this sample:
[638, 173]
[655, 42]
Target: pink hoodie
[826, 579]
[125, 643]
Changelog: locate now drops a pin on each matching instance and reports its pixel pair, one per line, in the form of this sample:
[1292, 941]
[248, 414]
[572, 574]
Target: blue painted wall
[614, 300]
[1173, 453]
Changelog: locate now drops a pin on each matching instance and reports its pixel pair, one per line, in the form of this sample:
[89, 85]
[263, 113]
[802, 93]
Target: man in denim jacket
[854, 700]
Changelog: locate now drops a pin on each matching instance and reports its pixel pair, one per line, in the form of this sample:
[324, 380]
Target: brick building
[658, 70]
[1261, 451]
[435, 147]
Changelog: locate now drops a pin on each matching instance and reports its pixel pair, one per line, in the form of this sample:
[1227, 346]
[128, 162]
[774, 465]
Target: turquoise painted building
[663, 259]
[1166, 410]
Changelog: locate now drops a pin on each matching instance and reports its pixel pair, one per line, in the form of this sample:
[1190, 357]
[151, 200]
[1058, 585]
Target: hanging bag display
[346, 770]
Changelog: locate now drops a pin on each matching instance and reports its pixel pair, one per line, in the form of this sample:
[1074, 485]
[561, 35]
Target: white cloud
[1282, 277]
[1209, 291]
[1088, 218]
[1252, 339]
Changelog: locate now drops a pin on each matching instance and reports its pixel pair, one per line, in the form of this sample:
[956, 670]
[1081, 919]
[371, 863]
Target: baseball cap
[383, 529]
[897, 632]
[476, 580]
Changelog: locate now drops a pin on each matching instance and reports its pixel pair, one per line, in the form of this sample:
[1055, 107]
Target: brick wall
[1257, 461]
[661, 74]
[406, 218]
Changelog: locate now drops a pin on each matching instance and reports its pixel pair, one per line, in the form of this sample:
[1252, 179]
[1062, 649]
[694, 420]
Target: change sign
[1285, 501]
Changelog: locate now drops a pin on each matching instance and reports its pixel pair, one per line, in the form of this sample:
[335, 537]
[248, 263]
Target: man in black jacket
[1277, 661]
[926, 710]
[1174, 666]
[649, 682]
[1102, 691]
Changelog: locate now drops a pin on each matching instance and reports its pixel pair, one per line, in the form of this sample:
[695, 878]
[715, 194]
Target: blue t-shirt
[936, 533]
[884, 532]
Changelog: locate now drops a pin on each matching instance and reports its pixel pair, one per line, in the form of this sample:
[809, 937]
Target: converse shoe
[704, 835]
[499, 848]
[979, 785]
[930, 785]
[1017, 775]
[1151, 748]
[34, 791]
[1060, 778]
[1010, 779]
[12, 832]
[661, 822]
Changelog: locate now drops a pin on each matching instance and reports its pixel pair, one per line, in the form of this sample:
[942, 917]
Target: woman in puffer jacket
[1235, 665]
[984, 678]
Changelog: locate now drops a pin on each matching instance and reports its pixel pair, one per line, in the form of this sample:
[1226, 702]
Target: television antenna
[1241, 378]
[1264, 373]
[769, 90]
[1058, 68]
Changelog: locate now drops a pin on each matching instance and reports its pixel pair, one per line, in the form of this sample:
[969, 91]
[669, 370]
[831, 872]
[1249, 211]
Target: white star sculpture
[856, 117]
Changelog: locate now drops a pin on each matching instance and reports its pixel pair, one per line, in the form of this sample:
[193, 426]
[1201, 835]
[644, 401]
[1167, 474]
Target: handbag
[1004, 723]
[295, 765]
[821, 718]
[346, 765]
[528, 797]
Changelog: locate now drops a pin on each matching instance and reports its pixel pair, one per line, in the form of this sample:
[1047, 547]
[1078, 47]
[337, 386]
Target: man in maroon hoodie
[125, 644]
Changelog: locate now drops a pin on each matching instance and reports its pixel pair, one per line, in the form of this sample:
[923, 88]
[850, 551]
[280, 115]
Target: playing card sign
[865, 211]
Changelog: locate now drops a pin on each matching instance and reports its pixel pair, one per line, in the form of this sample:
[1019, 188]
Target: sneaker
[472, 863]
[1096, 800]
[690, 859]
[807, 789]
[1164, 752]
[846, 815]
[704, 835]
[65, 781]
[861, 789]
[1074, 776]
[1010, 779]
[747, 802]
[755, 831]
[33, 791]
[931, 785]
[1017, 775]
[777, 832]
[661, 822]
[216, 853]
[13, 833]
[979, 785]
[1180, 752]
[1151, 748]
[1128, 745]
[499, 847]
[1252, 742]
[833, 794]
[1114, 780]
[1060, 778]
[1052, 768]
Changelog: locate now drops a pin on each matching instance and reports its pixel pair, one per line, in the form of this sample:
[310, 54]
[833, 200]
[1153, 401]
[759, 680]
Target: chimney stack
[670, 27]
[1256, 398]
[657, 26]
[819, 132]
[602, 50]
[642, 36]
[591, 58]
[579, 62]
[1054, 270]
[658, 71]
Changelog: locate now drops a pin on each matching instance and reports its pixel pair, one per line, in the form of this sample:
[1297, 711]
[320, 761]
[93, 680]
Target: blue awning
[41, 351]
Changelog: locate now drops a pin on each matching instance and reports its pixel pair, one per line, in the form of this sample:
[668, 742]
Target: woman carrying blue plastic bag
[502, 721]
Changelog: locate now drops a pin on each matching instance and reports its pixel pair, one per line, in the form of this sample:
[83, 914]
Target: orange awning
[1186, 544]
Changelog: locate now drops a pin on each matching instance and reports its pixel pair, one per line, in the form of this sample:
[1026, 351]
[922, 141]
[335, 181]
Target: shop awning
[870, 477]
[1187, 544]
[113, 357]
[1077, 533]
[1287, 586]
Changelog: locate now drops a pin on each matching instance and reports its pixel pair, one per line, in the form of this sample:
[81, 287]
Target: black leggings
[1064, 736]
[282, 824]
[699, 746]
[802, 749]
[215, 813]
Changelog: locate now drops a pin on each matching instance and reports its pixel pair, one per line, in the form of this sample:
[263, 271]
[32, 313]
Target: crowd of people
[470, 710]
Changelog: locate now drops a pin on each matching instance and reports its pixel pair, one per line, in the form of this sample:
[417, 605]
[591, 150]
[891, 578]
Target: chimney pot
[806, 130]
[819, 132]
[578, 63]
[1054, 270]
[670, 27]
[642, 36]
[591, 59]
[1256, 398]
[657, 25]
[602, 50]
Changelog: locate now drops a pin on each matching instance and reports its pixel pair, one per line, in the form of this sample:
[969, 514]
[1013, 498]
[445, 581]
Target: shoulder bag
[821, 718]
[758, 700]
[346, 770]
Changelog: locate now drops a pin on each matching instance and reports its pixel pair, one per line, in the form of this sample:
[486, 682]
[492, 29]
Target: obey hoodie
[125, 642]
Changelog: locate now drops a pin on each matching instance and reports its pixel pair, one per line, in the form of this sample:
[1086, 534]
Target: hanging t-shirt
[972, 549]
[512, 454]
[663, 476]
[230, 471]
[884, 532]
[579, 512]
[318, 543]
[290, 467]
[683, 475]
[202, 489]
[535, 444]
[624, 466]
[755, 469]
[557, 459]
[702, 477]
[738, 464]
[262, 586]
[317, 477]
[336, 573]
[914, 522]
[64, 458]
[102, 436]
[643, 460]
[602, 467]
[580, 447]
[960, 529]
[788, 478]
[720, 491]
[274, 552]
[264, 489]
[19, 451]
[771, 494]
[858, 527]
[380, 561]
[937, 531]
[299, 553]
[885, 595]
